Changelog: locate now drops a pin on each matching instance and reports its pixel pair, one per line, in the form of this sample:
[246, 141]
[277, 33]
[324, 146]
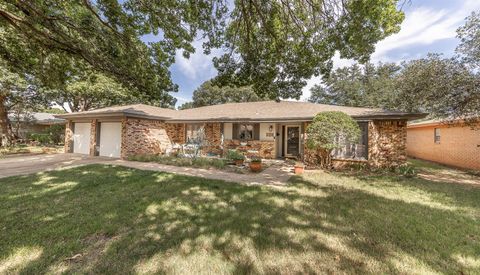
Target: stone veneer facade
[387, 146]
[262, 148]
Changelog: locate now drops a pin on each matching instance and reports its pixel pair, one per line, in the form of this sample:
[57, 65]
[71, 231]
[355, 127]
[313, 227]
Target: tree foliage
[325, 131]
[18, 95]
[360, 86]
[278, 45]
[469, 35]
[272, 45]
[447, 88]
[210, 94]
[41, 35]
[90, 90]
[186, 105]
[444, 87]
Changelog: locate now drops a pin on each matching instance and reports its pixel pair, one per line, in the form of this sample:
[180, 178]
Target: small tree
[327, 131]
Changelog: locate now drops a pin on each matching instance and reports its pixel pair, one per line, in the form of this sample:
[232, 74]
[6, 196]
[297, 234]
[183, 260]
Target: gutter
[226, 119]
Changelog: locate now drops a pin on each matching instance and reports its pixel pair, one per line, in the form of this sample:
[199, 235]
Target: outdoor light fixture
[270, 128]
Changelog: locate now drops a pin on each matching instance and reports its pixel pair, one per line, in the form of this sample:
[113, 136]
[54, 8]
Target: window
[194, 133]
[246, 131]
[436, 134]
[354, 150]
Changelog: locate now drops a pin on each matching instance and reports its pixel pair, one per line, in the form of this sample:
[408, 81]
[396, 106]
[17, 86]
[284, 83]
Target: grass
[28, 149]
[198, 162]
[105, 219]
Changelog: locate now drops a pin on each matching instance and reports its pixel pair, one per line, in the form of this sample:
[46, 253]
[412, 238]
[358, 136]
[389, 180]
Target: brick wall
[213, 135]
[262, 148]
[176, 132]
[386, 145]
[93, 137]
[459, 145]
[144, 136]
[68, 146]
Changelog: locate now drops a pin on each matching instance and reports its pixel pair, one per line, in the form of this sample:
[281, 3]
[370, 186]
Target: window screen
[353, 150]
[436, 134]
[194, 133]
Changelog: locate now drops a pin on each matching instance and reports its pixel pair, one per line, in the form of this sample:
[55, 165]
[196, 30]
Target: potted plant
[256, 164]
[298, 168]
[236, 156]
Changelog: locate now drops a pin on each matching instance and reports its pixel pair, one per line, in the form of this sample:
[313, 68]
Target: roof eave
[299, 119]
[109, 114]
[89, 115]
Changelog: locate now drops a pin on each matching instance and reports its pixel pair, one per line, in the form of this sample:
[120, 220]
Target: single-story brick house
[268, 129]
[453, 143]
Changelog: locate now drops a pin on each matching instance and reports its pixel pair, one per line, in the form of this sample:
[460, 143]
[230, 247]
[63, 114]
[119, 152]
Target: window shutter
[235, 130]
[256, 131]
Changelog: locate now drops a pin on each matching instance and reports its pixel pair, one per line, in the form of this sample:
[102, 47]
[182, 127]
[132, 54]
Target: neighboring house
[454, 144]
[32, 123]
[268, 129]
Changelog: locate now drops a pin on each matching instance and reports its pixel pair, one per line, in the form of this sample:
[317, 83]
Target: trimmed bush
[324, 132]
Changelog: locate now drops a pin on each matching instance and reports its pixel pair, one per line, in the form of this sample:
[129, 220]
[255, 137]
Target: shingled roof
[135, 110]
[267, 111]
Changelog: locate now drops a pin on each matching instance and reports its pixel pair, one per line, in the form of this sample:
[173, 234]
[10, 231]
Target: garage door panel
[110, 139]
[81, 138]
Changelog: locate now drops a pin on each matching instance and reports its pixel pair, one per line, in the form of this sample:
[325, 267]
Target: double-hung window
[246, 131]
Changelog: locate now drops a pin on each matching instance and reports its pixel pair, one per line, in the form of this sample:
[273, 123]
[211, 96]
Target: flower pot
[239, 162]
[298, 169]
[255, 166]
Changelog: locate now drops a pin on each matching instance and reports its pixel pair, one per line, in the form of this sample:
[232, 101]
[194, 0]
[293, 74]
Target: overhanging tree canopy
[274, 45]
[278, 45]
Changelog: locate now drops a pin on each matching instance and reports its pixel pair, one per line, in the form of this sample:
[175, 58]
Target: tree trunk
[324, 158]
[6, 135]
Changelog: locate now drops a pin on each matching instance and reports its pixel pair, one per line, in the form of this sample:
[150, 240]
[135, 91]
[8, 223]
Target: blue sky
[429, 26]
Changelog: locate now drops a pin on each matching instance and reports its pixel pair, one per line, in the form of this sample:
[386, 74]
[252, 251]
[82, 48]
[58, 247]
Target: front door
[292, 141]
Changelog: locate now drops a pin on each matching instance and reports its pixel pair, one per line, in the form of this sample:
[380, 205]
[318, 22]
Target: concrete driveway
[21, 165]
[275, 175]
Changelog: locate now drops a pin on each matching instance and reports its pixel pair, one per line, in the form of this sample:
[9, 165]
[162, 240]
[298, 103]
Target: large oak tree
[273, 45]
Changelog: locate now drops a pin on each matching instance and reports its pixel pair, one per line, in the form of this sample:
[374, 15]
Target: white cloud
[181, 99]
[422, 26]
[425, 26]
[198, 65]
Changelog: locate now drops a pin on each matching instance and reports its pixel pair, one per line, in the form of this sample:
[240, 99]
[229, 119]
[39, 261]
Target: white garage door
[110, 139]
[81, 138]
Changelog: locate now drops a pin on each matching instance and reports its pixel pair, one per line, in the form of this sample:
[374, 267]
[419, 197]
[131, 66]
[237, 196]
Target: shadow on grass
[106, 219]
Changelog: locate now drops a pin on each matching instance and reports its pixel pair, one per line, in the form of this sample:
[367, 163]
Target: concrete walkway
[277, 174]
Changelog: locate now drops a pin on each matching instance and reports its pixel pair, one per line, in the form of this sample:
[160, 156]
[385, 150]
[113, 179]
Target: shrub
[41, 138]
[235, 155]
[324, 132]
[51, 135]
[406, 170]
[256, 159]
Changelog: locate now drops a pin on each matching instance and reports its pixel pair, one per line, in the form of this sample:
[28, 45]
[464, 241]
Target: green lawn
[103, 219]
